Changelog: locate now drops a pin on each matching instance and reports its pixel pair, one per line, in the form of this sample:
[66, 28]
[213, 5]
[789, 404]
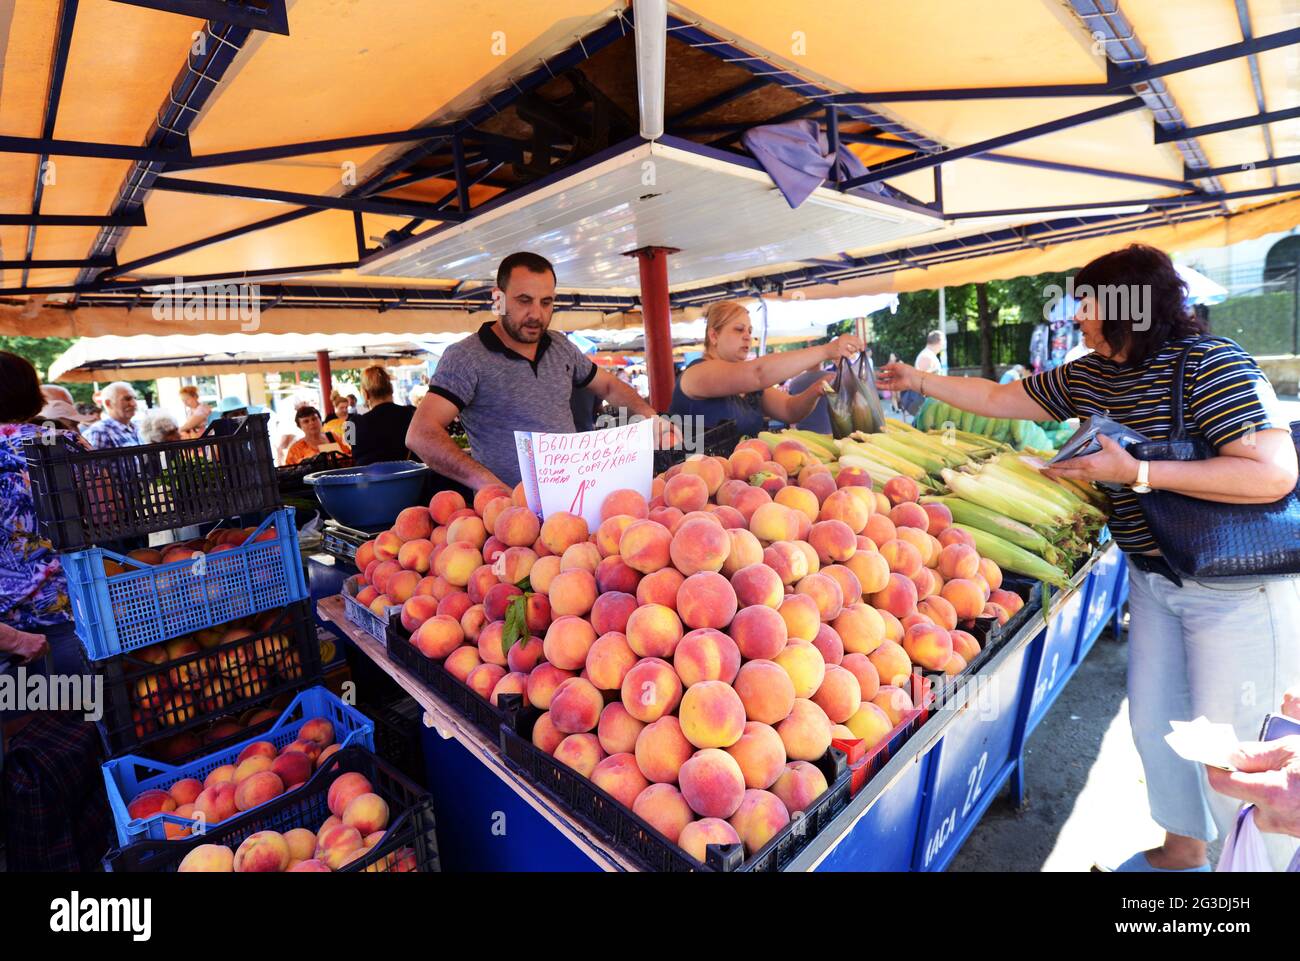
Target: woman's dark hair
[305, 411]
[20, 389]
[1138, 276]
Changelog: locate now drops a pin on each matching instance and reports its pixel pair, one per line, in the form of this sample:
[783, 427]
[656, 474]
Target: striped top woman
[1195, 646]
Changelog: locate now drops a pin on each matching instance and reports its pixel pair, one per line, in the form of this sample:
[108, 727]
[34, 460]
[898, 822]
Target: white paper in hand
[1203, 742]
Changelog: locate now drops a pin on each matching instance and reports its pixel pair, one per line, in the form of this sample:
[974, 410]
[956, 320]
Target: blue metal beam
[438, 132]
[55, 264]
[131, 219]
[1197, 173]
[395, 208]
[1199, 198]
[1256, 81]
[1121, 77]
[1238, 123]
[268, 16]
[84, 148]
[714, 102]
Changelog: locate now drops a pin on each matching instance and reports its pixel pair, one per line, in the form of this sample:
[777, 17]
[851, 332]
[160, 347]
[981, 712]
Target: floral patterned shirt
[33, 591]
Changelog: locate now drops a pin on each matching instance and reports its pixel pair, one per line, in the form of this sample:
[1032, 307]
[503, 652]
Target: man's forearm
[433, 445]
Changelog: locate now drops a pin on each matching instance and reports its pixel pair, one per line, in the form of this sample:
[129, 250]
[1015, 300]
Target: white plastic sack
[1243, 848]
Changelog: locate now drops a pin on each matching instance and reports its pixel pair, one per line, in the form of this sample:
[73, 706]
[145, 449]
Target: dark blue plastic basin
[369, 498]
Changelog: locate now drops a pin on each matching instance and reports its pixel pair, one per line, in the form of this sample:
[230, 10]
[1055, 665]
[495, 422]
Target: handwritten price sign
[576, 472]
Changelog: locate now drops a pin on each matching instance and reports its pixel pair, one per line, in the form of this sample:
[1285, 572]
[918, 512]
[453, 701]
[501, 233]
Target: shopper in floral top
[115, 429]
[34, 611]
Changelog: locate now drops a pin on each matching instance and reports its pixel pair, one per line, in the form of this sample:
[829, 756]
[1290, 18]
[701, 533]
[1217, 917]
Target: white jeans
[1223, 649]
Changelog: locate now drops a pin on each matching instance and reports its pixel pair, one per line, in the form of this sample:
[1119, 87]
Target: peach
[804, 664]
[792, 455]
[759, 632]
[543, 681]
[839, 695]
[264, 851]
[901, 490]
[880, 528]
[902, 557]
[209, 859]
[1009, 600]
[646, 546]
[491, 645]
[216, 803]
[380, 605]
[955, 535]
[483, 679]
[894, 701]
[515, 682]
[225, 774]
[417, 610]
[496, 601]
[307, 866]
[543, 571]
[661, 749]
[387, 544]
[798, 499]
[893, 626]
[253, 764]
[336, 845]
[829, 644]
[706, 655]
[766, 691]
[609, 535]
[438, 636]
[926, 546]
[378, 578]
[257, 749]
[562, 530]
[699, 545]
[461, 661]
[820, 484]
[955, 665]
[367, 813]
[608, 660]
[743, 550]
[965, 597]
[939, 611]
[826, 595]
[545, 736]
[617, 730]
[712, 783]
[467, 530]
[291, 767]
[481, 580]
[806, 732]
[799, 785]
[585, 556]
[801, 615]
[965, 644]
[706, 599]
[908, 514]
[664, 809]
[870, 724]
[618, 776]
[810, 556]
[749, 500]
[868, 678]
[958, 560]
[472, 623]
[850, 586]
[788, 561]
[940, 516]
[687, 492]
[153, 801]
[774, 522]
[517, 527]
[743, 464]
[758, 446]
[582, 752]
[611, 612]
[898, 597]
[493, 548]
[436, 587]
[760, 753]
[846, 506]
[833, 540]
[365, 554]
[661, 588]
[367, 596]
[729, 518]
[730, 488]
[997, 612]
[654, 630]
[928, 583]
[892, 664]
[698, 835]
[572, 593]
[668, 517]
[759, 818]
[614, 576]
[707, 469]
[861, 628]
[624, 501]
[568, 639]
[186, 791]
[991, 573]
[414, 555]
[444, 504]
[758, 585]
[651, 689]
[454, 605]
[514, 564]
[524, 655]
[711, 714]
[457, 562]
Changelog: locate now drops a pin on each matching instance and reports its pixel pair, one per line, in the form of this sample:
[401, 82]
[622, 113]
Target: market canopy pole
[656, 313]
[326, 384]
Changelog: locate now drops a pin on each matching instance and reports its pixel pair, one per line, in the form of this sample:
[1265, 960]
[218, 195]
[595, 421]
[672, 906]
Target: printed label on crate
[575, 472]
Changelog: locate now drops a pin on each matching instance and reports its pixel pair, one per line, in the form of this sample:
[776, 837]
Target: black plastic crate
[719, 441]
[398, 736]
[411, 822]
[88, 497]
[290, 478]
[619, 827]
[146, 702]
[478, 711]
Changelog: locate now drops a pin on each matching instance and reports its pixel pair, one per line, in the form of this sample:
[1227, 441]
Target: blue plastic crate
[147, 604]
[130, 774]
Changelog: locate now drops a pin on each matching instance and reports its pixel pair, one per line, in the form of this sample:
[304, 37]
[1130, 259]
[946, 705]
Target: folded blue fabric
[797, 157]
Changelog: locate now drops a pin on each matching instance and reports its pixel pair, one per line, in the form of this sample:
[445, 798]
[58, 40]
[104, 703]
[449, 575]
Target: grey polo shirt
[498, 392]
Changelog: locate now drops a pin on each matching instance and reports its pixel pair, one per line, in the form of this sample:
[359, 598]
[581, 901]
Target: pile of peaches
[697, 651]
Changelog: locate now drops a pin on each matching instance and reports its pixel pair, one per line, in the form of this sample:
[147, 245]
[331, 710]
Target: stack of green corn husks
[1024, 434]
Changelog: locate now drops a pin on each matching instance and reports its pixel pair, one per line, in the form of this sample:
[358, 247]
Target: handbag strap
[1179, 425]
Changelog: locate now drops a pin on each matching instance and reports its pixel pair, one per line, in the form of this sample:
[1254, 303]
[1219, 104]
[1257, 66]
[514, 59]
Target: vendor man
[512, 375]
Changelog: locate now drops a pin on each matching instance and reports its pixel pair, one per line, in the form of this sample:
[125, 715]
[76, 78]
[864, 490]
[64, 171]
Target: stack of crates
[202, 645]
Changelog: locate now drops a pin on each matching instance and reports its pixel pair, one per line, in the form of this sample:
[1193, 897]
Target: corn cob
[1014, 532]
[1009, 557]
[981, 492]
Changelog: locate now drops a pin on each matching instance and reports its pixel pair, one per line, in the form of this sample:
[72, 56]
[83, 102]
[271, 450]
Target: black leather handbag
[1201, 538]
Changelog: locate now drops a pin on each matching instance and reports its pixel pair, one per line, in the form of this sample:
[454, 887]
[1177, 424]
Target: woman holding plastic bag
[725, 385]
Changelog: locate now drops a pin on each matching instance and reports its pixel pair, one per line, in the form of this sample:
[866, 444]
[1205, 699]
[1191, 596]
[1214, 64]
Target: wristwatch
[1143, 483]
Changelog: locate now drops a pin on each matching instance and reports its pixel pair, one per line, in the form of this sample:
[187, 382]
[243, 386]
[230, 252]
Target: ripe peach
[291, 767]
[664, 809]
[861, 628]
[417, 610]
[491, 646]
[706, 655]
[788, 561]
[365, 554]
[712, 783]
[457, 562]
[646, 546]
[668, 517]
[846, 506]
[765, 690]
[654, 630]
[585, 556]
[225, 774]
[899, 596]
[493, 548]
[798, 499]
[806, 732]
[438, 636]
[264, 851]
[544, 570]
[380, 575]
[834, 541]
[928, 583]
[759, 818]
[749, 500]
[730, 518]
[609, 535]
[1009, 600]
[804, 664]
[387, 544]
[711, 714]
[894, 701]
[774, 522]
[839, 695]
[707, 469]
[472, 623]
[966, 598]
[545, 736]
[543, 681]
[902, 557]
[757, 584]
[850, 586]
[514, 682]
[461, 661]
[958, 560]
[609, 659]
[185, 791]
[826, 595]
[367, 813]
[651, 689]
[572, 593]
[414, 555]
[687, 492]
[829, 644]
[759, 632]
[613, 576]
[517, 527]
[699, 545]
[939, 611]
[153, 801]
[454, 605]
[611, 612]
[801, 615]
[444, 504]
[760, 753]
[661, 749]
[562, 530]
[706, 599]
[252, 764]
[582, 752]
[940, 516]
[467, 530]
[483, 679]
[908, 514]
[567, 642]
[367, 596]
[698, 835]
[337, 845]
[743, 464]
[617, 730]
[661, 588]
[964, 644]
[524, 655]
[870, 724]
[624, 501]
[743, 550]
[892, 663]
[216, 803]
[618, 776]
[900, 490]
[481, 580]
[208, 858]
[992, 574]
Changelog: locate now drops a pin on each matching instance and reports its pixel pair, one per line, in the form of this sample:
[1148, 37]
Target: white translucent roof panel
[724, 217]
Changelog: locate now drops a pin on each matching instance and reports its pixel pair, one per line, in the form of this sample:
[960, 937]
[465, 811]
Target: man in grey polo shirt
[514, 374]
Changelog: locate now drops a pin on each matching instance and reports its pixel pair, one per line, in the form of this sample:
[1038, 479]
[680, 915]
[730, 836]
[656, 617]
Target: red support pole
[326, 383]
[656, 312]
